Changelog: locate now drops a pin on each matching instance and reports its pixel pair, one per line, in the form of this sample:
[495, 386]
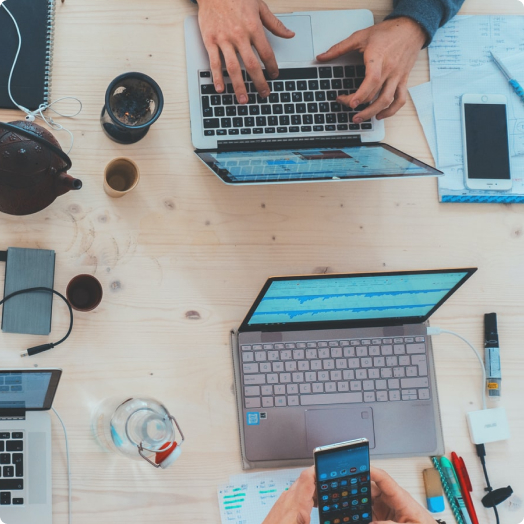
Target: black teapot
[32, 168]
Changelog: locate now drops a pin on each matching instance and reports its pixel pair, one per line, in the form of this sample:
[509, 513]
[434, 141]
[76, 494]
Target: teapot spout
[68, 183]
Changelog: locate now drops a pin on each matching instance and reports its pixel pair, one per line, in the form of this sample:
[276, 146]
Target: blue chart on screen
[303, 164]
[23, 390]
[355, 298]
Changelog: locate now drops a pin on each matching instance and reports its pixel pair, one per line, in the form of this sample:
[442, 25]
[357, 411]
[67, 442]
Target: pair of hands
[390, 50]
[391, 503]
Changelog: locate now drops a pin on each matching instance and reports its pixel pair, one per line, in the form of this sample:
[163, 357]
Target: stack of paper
[460, 62]
[248, 497]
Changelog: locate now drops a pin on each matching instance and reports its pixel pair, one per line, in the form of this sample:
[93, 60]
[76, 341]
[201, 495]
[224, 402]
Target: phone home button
[484, 98]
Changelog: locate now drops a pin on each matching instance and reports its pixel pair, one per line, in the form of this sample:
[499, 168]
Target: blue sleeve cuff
[429, 14]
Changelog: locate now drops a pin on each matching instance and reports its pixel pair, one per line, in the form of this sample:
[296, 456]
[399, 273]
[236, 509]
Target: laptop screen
[30, 390]
[358, 300]
[309, 164]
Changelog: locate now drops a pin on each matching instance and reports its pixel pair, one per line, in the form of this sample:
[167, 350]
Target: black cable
[481, 452]
[44, 347]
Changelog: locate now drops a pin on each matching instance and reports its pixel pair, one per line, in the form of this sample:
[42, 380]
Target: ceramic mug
[121, 176]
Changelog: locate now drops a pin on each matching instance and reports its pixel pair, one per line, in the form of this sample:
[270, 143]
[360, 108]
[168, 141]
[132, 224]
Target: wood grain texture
[183, 256]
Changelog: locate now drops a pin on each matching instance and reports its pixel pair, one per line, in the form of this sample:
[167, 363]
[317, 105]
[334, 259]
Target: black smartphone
[343, 482]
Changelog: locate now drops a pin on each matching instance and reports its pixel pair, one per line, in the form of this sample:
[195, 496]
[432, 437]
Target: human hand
[390, 50]
[294, 506]
[236, 26]
[392, 504]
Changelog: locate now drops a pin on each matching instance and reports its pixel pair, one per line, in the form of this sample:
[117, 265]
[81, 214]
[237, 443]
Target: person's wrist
[416, 31]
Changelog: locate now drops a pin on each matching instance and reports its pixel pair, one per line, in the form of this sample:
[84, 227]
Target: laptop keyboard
[335, 372]
[302, 100]
[11, 467]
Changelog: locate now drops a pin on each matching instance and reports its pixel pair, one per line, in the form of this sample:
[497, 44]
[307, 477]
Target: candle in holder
[133, 102]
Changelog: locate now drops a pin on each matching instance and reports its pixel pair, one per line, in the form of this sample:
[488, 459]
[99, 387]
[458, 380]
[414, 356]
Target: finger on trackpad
[329, 426]
[296, 49]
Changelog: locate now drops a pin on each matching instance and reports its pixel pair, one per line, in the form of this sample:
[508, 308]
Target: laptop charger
[488, 425]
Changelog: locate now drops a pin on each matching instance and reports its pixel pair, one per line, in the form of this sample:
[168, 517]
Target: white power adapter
[488, 425]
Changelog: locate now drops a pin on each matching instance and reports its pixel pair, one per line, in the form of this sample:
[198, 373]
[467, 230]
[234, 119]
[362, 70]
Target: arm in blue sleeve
[429, 14]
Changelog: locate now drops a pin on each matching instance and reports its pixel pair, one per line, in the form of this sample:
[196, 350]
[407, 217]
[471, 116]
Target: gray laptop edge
[26, 396]
[331, 147]
[388, 307]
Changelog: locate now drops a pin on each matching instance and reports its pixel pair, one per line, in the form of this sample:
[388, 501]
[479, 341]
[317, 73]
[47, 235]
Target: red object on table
[465, 485]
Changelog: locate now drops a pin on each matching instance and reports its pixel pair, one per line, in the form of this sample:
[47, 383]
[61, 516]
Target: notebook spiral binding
[49, 50]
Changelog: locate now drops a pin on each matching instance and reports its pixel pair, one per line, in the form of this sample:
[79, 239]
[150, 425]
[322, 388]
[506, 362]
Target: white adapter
[488, 425]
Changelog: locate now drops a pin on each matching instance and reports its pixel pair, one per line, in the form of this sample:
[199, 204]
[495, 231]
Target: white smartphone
[485, 142]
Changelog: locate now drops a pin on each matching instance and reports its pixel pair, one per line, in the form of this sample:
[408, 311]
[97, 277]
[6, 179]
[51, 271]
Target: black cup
[84, 292]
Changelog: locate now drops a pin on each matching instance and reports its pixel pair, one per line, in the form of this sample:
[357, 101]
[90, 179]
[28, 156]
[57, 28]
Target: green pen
[451, 477]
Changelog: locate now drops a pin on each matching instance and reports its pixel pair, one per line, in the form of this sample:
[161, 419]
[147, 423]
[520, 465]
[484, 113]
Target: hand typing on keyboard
[229, 27]
[390, 50]
[391, 503]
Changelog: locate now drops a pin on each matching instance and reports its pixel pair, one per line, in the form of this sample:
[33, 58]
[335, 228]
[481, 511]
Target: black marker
[492, 355]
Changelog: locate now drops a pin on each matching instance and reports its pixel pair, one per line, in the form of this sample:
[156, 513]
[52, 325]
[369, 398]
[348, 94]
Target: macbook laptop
[300, 133]
[26, 396]
[328, 358]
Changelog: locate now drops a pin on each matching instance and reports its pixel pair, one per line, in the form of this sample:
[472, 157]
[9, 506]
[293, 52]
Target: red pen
[465, 485]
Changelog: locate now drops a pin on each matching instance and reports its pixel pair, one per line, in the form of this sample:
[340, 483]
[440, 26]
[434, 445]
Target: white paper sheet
[248, 497]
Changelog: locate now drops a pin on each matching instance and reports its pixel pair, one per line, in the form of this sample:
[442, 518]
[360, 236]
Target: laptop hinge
[12, 414]
[287, 143]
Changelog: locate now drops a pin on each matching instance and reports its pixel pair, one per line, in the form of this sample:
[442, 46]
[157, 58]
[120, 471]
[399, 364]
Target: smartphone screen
[487, 141]
[343, 483]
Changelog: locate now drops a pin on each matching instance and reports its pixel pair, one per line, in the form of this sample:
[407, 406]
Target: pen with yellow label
[451, 477]
[492, 355]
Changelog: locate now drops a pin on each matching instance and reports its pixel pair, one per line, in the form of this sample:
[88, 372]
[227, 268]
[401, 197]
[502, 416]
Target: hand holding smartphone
[485, 142]
[343, 482]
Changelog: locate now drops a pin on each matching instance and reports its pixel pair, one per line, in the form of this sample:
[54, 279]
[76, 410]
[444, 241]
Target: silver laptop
[26, 396]
[327, 358]
[300, 133]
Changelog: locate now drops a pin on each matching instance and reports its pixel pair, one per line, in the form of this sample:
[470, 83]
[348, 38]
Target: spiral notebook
[32, 75]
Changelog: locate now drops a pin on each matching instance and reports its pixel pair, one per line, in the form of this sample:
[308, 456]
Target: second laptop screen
[353, 298]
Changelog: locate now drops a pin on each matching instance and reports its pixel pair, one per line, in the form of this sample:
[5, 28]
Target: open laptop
[300, 133]
[328, 358]
[26, 396]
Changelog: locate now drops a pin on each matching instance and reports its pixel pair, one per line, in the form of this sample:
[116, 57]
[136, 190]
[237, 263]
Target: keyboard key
[252, 391]
[211, 123]
[302, 85]
[18, 501]
[305, 129]
[292, 401]
[311, 353]
[316, 364]
[319, 119]
[409, 394]
[419, 339]
[336, 84]
[404, 360]
[304, 388]
[399, 372]
[349, 71]
[310, 376]
[267, 402]
[355, 385]
[367, 126]
[242, 110]
[300, 108]
[250, 368]
[225, 122]
[252, 403]
[342, 127]
[296, 120]
[249, 121]
[280, 402]
[267, 390]
[238, 122]
[292, 389]
[368, 385]
[347, 83]
[361, 374]
[361, 71]
[362, 351]
[303, 365]
[252, 380]
[297, 377]
[381, 384]
[386, 350]
[320, 96]
[330, 398]
[290, 86]
[8, 471]
[325, 84]
[258, 130]
[307, 119]
[354, 127]
[291, 365]
[331, 95]
[313, 85]
[421, 382]
[5, 498]
[323, 107]
[331, 119]
[14, 445]
[411, 371]
[11, 484]
[386, 373]
[278, 86]
[248, 356]
[393, 383]
[391, 361]
[209, 132]
[373, 373]
[265, 367]
[323, 376]
[278, 367]
[272, 120]
[338, 72]
[423, 394]
[382, 396]
[330, 387]
[280, 389]
[325, 72]
[394, 395]
[309, 96]
[254, 110]
[284, 378]
[348, 374]
[312, 107]
[261, 121]
[285, 97]
[420, 361]
[208, 89]
[369, 396]
[341, 363]
[251, 98]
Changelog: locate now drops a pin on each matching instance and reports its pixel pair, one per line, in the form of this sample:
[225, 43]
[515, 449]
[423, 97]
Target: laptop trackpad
[329, 426]
[37, 454]
[296, 49]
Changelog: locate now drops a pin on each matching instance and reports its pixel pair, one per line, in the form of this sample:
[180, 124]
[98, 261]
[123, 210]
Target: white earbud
[30, 117]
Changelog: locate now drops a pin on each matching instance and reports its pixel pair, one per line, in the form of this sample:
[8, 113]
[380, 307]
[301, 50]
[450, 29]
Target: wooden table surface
[183, 256]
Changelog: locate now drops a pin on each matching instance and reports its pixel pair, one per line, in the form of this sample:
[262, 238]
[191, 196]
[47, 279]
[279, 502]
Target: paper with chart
[247, 498]
[465, 42]
[460, 63]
